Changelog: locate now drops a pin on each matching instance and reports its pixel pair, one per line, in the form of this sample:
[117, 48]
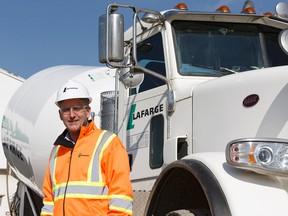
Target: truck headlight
[265, 156]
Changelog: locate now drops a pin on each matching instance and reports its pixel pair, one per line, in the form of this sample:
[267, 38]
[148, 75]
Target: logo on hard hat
[66, 88]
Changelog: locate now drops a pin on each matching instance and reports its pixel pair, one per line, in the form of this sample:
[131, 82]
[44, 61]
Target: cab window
[150, 55]
[156, 141]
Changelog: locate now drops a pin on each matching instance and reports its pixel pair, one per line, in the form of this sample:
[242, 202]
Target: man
[88, 170]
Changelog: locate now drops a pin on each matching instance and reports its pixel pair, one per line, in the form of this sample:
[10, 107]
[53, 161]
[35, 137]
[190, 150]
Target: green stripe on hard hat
[72, 90]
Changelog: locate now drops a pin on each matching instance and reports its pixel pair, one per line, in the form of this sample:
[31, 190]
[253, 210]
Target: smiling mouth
[73, 122]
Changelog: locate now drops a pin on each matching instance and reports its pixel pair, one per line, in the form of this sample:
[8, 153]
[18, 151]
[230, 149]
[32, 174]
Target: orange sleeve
[48, 201]
[116, 168]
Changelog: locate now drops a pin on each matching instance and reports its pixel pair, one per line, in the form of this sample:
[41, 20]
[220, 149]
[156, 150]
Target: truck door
[146, 123]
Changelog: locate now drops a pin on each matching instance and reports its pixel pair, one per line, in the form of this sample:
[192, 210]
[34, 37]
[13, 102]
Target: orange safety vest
[91, 178]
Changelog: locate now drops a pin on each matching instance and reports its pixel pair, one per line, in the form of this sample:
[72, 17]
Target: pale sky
[36, 34]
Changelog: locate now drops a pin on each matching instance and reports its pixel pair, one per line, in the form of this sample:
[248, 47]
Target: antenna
[261, 9]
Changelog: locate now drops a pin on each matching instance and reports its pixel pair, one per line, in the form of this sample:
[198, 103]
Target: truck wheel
[180, 213]
[192, 212]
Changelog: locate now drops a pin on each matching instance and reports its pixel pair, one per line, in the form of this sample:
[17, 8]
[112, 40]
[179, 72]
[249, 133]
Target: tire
[192, 212]
[180, 213]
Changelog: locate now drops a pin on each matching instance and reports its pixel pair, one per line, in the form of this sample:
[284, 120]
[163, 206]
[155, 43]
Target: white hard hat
[71, 90]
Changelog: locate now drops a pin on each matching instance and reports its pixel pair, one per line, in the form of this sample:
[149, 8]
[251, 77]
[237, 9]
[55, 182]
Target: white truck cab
[200, 95]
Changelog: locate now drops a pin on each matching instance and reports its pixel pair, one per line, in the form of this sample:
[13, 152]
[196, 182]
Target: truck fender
[190, 185]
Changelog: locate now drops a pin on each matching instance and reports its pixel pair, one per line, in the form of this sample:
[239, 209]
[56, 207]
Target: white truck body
[190, 96]
[9, 83]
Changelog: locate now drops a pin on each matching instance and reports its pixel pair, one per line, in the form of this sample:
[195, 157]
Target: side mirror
[131, 77]
[111, 40]
[283, 40]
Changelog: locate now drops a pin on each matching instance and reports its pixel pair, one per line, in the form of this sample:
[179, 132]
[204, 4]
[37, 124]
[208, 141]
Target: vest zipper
[64, 198]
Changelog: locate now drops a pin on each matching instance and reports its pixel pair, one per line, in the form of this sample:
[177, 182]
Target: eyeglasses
[76, 109]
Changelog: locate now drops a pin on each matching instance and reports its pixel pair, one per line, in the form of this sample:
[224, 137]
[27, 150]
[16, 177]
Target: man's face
[74, 113]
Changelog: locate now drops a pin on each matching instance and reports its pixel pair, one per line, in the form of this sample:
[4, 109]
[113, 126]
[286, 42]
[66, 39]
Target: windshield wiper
[224, 69]
[220, 69]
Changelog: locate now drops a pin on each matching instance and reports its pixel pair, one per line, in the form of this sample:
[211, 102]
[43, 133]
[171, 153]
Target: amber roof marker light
[223, 9]
[181, 6]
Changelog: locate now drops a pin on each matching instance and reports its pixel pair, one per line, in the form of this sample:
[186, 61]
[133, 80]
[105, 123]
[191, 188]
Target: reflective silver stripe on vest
[121, 204]
[48, 208]
[53, 157]
[85, 190]
[96, 163]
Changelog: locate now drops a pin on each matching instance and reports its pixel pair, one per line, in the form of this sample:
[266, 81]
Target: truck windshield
[217, 49]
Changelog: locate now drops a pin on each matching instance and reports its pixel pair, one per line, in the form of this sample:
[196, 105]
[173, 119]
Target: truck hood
[249, 104]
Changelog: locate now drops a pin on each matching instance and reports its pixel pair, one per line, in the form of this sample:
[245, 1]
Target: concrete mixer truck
[200, 100]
